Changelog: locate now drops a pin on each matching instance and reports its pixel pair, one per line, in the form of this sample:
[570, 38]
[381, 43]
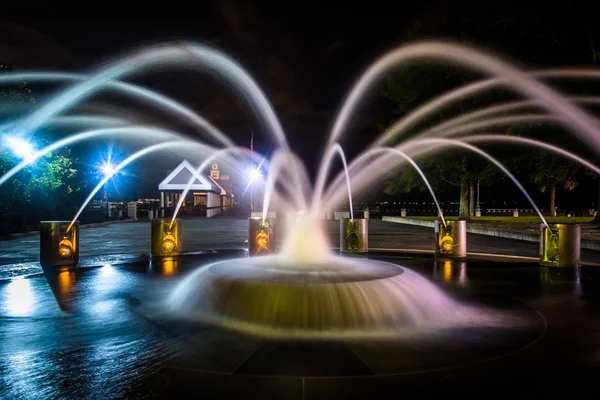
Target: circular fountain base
[338, 297]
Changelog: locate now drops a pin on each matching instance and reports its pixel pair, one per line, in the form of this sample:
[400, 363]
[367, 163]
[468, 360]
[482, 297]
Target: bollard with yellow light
[59, 244]
[451, 240]
[261, 236]
[560, 245]
[354, 235]
[165, 237]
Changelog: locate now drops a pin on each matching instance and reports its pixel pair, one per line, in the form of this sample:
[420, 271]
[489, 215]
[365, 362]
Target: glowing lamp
[20, 147]
[107, 169]
[65, 247]
[451, 239]
[169, 242]
[165, 237]
[447, 244]
[261, 237]
[354, 235]
[560, 245]
[59, 244]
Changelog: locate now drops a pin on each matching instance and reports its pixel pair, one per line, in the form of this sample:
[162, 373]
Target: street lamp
[253, 173]
[20, 147]
[108, 169]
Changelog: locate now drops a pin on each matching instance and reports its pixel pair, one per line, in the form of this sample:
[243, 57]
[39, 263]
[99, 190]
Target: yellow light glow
[447, 271]
[552, 248]
[447, 244]
[65, 248]
[169, 266]
[169, 242]
[262, 242]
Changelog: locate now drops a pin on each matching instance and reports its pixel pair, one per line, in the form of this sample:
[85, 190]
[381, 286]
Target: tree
[443, 173]
[549, 171]
[518, 30]
[45, 185]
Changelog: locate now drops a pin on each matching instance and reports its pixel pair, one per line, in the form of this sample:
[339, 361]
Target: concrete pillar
[261, 237]
[120, 214]
[150, 214]
[341, 215]
[132, 210]
[451, 240]
[560, 246]
[59, 247]
[354, 235]
[403, 212]
[162, 204]
[165, 239]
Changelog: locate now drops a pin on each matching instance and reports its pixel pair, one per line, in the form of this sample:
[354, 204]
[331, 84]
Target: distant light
[20, 147]
[108, 169]
[254, 173]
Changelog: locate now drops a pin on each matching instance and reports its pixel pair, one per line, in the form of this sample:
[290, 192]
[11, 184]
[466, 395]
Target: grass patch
[507, 221]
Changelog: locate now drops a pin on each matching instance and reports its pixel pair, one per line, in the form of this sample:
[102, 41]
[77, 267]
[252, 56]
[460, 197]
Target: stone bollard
[451, 240]
[367, 213]
[59, 247]
[354, 235]
[560, 246]
[132, 210]
[477, 212]
[261, 237]
[516, 212]
[403, 212]
[165, 239]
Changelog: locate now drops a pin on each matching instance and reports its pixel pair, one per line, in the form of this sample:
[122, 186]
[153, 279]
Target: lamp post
[108, 170]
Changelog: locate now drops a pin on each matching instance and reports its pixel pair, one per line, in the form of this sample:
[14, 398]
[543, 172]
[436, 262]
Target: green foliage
[41, 185]
[49, 185]
[547, 169]
[15, 97]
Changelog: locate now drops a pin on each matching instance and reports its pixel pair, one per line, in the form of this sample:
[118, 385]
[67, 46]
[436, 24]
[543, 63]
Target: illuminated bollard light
[560, 246]
[403, 212]
[516, 212]
[367, 213]
[354, 235]
[261, 237]
[59, 247]
[165, 239]
[477, 212]
[451, 240]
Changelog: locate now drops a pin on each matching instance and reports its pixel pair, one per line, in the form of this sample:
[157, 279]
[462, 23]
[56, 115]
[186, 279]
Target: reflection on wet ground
[100, 333]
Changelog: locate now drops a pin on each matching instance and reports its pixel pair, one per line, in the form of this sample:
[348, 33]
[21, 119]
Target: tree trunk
[463, 213]
[471, 200]
[597, 217]
[552, 198]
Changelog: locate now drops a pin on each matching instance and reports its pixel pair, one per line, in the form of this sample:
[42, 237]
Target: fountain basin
[339, 296]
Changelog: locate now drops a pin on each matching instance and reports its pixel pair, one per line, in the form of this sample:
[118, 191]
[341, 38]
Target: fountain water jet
[204, 165]
[132, 158]
[305, 290]
[141, 131]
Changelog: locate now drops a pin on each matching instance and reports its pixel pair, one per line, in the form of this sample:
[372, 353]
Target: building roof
[180, 176]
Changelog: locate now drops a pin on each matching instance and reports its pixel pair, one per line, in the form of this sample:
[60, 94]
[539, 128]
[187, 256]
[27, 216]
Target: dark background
[305, 56]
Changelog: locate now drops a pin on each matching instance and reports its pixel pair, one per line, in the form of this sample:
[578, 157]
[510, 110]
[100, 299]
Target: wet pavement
[102, 333]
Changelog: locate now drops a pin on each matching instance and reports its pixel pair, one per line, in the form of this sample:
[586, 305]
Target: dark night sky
[305, 56]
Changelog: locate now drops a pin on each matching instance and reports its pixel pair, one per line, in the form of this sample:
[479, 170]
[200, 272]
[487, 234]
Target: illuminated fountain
[305, 289]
